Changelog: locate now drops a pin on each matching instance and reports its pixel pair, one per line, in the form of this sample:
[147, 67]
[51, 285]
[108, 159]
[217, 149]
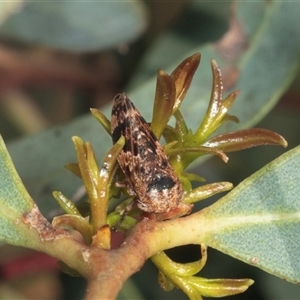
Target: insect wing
[140, 143]
[143, 160]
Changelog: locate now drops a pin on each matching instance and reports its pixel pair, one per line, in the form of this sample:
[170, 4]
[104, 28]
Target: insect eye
[161, 183]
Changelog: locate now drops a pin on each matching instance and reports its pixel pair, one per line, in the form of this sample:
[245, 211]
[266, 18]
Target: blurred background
[58, 59]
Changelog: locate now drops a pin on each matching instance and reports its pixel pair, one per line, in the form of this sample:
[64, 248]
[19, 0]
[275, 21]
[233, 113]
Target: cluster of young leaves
[183, 147]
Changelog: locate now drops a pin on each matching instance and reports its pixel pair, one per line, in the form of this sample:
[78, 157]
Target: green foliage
[14, 200]
[257, 222]
[276, 69]
[181, 275]
[183, 146]
[260, 217]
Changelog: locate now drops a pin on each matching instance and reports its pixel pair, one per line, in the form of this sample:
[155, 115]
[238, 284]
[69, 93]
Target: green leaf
[259, 221]
[21, 222]
[14, 201]
[76, 25]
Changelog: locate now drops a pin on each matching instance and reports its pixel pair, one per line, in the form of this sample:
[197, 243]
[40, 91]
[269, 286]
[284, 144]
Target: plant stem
[109, 269]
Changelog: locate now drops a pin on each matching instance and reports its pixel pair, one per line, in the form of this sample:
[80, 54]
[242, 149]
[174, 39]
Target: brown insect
[143, 160]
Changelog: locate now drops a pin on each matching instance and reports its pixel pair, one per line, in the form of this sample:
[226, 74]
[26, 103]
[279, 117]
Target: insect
[143, 160]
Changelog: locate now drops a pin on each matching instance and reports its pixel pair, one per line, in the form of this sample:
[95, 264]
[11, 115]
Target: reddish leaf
[243, 139]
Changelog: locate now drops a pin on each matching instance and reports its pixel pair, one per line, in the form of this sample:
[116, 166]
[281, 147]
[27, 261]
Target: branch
[109, 269]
